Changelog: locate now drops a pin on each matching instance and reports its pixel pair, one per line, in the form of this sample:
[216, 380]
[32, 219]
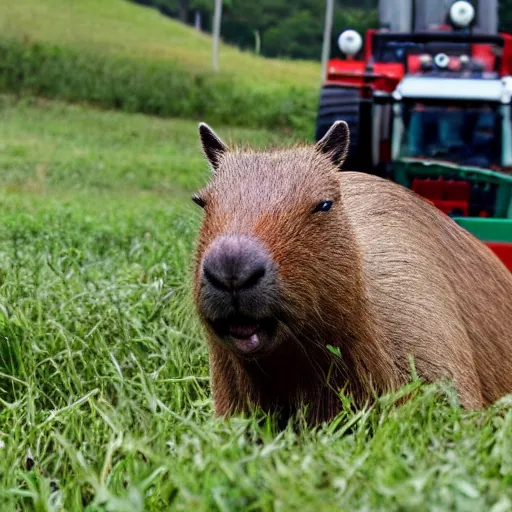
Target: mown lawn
[104, 396]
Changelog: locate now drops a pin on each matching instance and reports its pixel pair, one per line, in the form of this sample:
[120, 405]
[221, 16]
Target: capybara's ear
[213, 146]
[335, 143]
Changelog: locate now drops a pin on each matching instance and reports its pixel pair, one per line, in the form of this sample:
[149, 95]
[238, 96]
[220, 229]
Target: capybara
[297, 260]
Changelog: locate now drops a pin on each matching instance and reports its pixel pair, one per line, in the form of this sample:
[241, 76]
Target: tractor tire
[340, 103]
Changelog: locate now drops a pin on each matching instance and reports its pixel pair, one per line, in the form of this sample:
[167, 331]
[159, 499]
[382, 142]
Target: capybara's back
[434, 290]
[295, 257]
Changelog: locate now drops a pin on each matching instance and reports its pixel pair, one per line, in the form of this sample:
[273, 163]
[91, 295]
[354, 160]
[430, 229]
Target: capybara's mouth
[245, 334]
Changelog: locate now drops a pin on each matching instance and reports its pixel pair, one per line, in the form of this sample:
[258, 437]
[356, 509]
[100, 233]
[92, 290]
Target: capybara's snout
[239, 291]
[235, 265]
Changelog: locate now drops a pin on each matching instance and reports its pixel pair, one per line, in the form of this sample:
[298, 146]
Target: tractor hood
[441, 88]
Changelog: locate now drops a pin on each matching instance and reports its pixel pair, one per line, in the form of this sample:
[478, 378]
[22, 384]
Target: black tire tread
[340, 103]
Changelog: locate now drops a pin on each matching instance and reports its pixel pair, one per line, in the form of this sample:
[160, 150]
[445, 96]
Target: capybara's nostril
[217, 280]
[251, 277]
[234, 263]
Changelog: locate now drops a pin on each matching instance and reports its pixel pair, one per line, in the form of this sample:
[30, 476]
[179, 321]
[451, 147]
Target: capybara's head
[270, 241]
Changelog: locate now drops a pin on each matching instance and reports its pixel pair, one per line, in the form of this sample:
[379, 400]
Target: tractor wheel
[340, 103]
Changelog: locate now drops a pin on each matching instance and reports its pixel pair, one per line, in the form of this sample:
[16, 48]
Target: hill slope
[123, 29]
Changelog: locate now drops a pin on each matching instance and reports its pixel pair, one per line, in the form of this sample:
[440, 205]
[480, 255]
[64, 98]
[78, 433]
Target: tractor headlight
[462, 13]
[350, 42]
[442, 60]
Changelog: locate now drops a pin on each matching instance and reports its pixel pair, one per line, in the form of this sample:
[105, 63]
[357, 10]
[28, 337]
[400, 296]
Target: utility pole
[197, 21]
[216, 34]
[329, 8]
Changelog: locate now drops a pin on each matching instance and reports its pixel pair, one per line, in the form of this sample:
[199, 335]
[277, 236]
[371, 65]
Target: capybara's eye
[324, 206]
[198, 200]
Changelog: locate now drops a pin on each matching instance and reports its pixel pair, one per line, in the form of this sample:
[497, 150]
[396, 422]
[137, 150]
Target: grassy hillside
[118, 27]
[104, 395]
[120, 55]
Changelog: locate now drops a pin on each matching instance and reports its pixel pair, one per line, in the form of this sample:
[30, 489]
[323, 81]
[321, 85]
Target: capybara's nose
[234, 263]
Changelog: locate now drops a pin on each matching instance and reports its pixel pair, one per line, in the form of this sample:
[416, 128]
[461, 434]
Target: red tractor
[427, 97]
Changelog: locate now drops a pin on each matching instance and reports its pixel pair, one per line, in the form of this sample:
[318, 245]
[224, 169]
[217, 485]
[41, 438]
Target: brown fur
[382, 276]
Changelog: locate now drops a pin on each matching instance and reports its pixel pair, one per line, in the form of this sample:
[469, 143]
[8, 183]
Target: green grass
[120, 55]
[123, 29]
[104, 396]
[49, 145]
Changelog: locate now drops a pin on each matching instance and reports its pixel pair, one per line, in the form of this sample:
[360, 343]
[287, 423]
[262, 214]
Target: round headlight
[350, 42]
[442, 60]
[462, 13]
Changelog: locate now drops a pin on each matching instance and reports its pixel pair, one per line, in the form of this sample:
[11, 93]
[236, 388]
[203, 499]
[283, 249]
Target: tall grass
[152, 87]
[105, 402]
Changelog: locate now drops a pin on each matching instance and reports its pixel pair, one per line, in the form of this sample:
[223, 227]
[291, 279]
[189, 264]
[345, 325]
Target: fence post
[326, 47]
[216, 34]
